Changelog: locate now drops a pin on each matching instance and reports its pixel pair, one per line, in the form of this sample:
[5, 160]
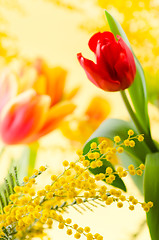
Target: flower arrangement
[28, 213]
[33, 103]
[111, 54]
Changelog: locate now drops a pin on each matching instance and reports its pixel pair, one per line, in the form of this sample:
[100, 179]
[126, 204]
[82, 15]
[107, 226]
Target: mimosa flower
[28, 115]
[115, 67]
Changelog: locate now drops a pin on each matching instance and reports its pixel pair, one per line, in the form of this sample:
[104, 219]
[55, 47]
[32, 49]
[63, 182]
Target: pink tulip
[26, 117]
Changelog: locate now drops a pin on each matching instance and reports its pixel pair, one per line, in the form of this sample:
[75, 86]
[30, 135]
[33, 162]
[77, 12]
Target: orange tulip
[33, 113]
[80, 129]
[51, 79]
[97, 111]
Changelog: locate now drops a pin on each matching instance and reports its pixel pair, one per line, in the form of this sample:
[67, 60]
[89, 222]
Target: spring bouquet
[31, 109]
[117, 69]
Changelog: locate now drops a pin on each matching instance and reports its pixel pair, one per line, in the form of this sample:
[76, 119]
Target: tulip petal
[111, 53]
[96, 76]
[123, 73]
[54, 116]
[38, 64]
[70, 95]
[93, 41]
[39, 84]
[8, 87]
[97, 111]
[129, 55]
[99, 36]
[22, 118]
[105, 59]
[56, 78]
[90, 67]
[100, 60]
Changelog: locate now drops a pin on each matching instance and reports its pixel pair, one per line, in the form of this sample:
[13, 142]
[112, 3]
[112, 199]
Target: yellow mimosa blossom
[29, 212]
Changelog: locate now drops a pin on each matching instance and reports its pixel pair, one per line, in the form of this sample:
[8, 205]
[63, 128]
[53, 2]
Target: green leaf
[118, 181]
[138, 95]
[87, 145]
[151, 192]
[152, 87]
[116, 127]
[137, 90]
[7, 187]
[18, 169]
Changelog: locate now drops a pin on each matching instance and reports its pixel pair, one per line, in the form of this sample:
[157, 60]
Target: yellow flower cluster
[129, 142]
[30, 212]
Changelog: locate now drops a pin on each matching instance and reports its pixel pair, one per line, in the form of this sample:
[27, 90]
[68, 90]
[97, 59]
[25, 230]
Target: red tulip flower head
[115, 67]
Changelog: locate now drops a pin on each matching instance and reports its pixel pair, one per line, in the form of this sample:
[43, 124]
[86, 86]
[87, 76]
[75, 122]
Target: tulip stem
[148, 138]
[2, 151]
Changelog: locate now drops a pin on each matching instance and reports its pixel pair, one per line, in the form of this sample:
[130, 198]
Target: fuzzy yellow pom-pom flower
[30, 212]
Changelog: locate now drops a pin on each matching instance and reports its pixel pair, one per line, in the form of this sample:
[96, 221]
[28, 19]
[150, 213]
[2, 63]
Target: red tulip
[115, 67]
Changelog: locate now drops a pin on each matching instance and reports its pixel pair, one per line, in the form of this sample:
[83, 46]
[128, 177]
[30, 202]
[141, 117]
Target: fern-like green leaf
[7, 187]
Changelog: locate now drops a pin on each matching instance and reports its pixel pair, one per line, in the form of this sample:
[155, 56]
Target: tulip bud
[115, 67]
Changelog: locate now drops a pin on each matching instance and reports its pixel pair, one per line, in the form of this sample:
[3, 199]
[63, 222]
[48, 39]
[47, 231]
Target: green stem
[33, 149]
[148, 138]
[2, 151]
